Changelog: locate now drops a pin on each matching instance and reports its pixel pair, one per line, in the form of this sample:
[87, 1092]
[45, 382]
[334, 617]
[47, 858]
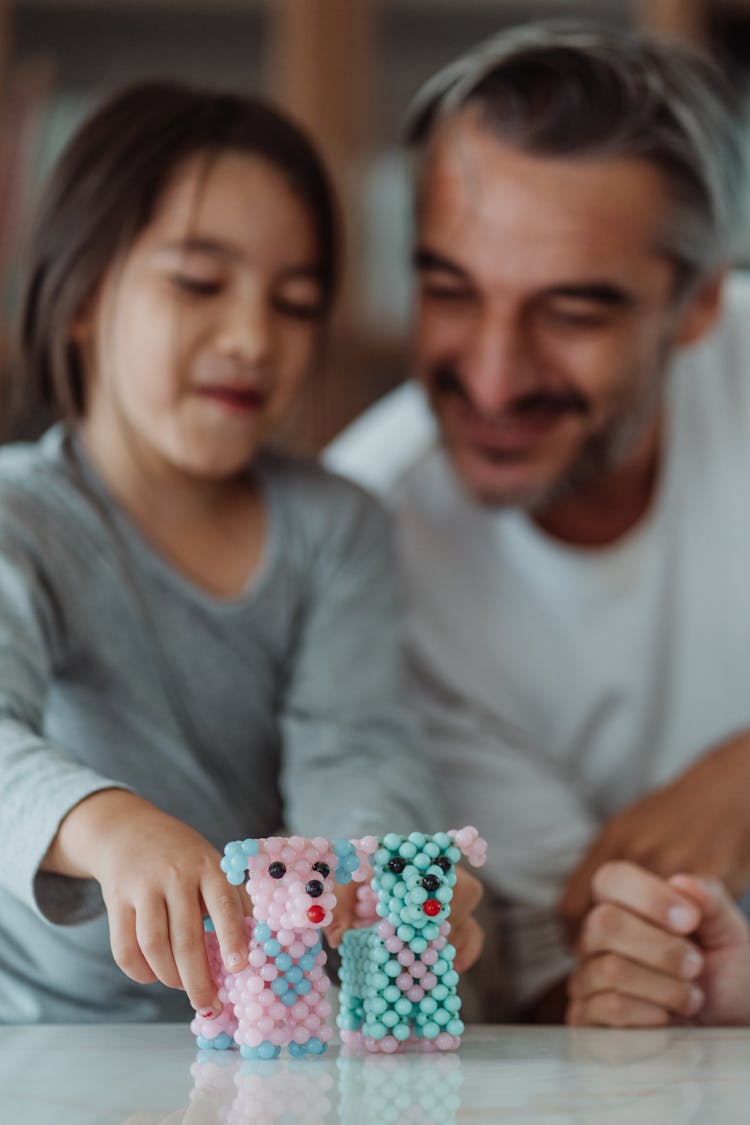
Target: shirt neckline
[128, 536]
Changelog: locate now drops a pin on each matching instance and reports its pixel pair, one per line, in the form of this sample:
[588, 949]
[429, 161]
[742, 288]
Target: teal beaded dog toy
[397, 977]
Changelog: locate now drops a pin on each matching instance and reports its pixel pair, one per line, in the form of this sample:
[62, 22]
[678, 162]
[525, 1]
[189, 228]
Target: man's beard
[602, 452]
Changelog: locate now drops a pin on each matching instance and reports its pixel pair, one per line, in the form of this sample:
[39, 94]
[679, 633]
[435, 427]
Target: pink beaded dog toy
[279, 999]
[397, 977]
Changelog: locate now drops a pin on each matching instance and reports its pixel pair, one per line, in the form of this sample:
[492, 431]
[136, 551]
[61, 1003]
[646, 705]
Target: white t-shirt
[558, 684]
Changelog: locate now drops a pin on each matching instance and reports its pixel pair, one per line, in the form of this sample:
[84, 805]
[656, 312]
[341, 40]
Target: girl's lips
[234, 398]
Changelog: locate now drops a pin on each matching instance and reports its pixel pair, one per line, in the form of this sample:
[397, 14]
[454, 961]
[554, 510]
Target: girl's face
[199, 336]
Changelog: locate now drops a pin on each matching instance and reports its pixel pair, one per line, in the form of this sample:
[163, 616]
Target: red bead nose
[316, 914]
[431, 907]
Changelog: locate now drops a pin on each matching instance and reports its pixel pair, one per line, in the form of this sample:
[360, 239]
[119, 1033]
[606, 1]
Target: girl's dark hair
[105, 188]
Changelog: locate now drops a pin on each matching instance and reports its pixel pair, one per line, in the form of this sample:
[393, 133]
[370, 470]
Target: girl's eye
[322, 868]
[298, 310]
[197, 286]
[299, 297]
[277, 870]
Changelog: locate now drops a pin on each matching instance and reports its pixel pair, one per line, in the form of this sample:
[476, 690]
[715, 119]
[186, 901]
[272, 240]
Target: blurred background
[345, 68]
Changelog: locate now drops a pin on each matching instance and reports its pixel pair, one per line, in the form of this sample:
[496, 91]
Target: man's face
[546, 312]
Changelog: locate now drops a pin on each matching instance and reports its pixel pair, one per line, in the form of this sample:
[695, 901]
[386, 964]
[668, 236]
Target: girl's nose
[246, 331]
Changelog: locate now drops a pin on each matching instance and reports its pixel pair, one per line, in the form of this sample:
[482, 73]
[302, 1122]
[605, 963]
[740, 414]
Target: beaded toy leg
[308, 1017]
[351, 1011]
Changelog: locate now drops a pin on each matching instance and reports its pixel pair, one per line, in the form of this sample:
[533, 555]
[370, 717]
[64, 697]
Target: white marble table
[132, 1075]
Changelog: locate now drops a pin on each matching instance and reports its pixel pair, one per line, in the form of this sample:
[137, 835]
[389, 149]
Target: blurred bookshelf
[346, 69]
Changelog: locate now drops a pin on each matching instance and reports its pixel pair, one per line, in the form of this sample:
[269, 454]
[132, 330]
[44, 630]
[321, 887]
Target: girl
[197, 635]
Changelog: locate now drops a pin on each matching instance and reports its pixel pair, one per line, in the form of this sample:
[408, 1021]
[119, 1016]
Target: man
[572, 532]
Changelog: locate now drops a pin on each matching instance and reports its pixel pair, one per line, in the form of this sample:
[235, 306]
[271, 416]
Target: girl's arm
[59, 817]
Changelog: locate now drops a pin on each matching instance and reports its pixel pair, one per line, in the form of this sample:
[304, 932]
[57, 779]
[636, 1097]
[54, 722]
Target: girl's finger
[124, 943]
[467, 894]
[152, 933]
[227, 907]
[343, 914]
[468, 940]
[188, 949]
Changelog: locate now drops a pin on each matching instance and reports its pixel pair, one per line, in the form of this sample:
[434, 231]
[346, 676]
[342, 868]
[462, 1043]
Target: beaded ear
[473, 846]
[234, 861]
[349, 861]
[364, 848]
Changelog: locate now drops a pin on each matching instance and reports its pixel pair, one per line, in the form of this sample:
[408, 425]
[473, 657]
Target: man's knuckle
[614, 1007]
[604, 923]
[574, 984]
[681, 1000]
[611, 970]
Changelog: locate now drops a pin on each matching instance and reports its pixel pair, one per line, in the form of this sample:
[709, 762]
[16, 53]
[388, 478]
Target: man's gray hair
[579, 88]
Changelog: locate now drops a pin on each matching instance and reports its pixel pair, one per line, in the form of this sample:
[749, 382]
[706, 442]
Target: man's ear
[701, 310]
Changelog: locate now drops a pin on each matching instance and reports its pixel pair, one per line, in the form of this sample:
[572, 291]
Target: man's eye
[578, 317]
[197, 286]
[446, 294]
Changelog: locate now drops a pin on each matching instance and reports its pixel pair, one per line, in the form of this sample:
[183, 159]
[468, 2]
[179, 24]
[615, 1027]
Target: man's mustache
[444, 381]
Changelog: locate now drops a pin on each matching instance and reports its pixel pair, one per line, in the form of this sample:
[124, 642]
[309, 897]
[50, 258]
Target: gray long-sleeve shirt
[282, 705]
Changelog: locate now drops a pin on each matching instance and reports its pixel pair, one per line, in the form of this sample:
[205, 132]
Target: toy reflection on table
[398, 983]
[261, 1091]
[411, 1089]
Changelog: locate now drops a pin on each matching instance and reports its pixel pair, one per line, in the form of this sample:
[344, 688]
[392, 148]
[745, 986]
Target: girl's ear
[234, 861]
[473, 846]
[701, 310]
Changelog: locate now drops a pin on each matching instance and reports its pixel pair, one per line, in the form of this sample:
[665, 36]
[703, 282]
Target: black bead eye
[430, 882]
[323, 868]
[277, 870]
[443, 863]
[314, 888]
[396, 865]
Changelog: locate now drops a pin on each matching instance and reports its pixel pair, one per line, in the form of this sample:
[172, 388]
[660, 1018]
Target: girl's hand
[467, 935]
[158, 878]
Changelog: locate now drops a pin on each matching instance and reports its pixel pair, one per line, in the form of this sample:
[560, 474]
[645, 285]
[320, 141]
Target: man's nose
[498, 364]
